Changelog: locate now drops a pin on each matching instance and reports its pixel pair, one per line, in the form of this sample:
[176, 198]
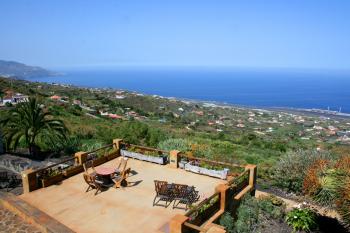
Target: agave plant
[28, 122]
[330, 182]
[343, 201]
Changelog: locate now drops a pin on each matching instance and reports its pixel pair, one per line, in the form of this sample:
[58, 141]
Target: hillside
[20, 70]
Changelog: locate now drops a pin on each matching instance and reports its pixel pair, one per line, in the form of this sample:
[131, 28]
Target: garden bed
[73, 171]
[222, 174]
[47, 181]
[149, 158]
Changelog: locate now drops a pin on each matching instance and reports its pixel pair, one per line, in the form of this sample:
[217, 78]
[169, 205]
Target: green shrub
[247, 216]
[302, 219]
[90, 145]
[175, 144]
[226, 221]
[290, 170]
[272, 206]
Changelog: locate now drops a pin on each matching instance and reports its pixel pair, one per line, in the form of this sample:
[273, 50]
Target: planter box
[52, 180]
[113, 155]
[182, 164]
[191, 168]
[73, 171]
[153, 159]
[222, 174]
[100, 161]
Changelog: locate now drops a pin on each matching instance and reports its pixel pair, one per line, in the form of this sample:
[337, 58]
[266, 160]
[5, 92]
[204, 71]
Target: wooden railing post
[214, 228]
[252, 177]
[29, 180]
[176, 223]
[81, 157]
[174, 158]
[117, 143]
[222, 189]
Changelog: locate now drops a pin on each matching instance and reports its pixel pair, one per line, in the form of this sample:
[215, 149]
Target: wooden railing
[56, 172]
[102, 151]
[143, 148]
[210, 209]
[200, 213]
[217, 163]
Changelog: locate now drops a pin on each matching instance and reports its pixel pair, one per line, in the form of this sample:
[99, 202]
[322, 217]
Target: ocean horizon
[252, 88]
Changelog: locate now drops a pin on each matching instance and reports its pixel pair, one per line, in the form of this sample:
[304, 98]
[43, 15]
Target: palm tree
[2, 94]
[28, 122]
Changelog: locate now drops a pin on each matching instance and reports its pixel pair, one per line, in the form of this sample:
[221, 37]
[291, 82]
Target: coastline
[213, 103]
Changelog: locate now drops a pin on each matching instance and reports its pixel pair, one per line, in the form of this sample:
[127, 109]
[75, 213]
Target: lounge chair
[163, 193]
[93, 183]
[184, 194]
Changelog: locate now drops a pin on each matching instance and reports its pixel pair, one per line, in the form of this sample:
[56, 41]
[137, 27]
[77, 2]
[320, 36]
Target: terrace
[129, 209]
[62, 195]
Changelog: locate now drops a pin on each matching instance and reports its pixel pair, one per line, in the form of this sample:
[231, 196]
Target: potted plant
[51, 177]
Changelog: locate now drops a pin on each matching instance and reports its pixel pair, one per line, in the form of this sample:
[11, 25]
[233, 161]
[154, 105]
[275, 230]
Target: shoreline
[213, 103]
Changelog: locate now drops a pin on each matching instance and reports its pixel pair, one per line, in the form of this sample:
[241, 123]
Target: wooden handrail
[55, 164]
[192, 226]
[145, 148]
[230, 182]
[70, 159]
[211, 161]
[101, 148]
[201, 204]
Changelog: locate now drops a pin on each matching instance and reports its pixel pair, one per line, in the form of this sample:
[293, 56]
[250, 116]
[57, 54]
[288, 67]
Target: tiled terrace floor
[117, 210]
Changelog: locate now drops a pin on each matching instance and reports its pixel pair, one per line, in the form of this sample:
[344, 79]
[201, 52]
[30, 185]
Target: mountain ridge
[21, 70]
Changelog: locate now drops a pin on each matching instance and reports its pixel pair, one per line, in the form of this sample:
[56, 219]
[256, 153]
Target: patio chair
[163, 193]
[122, 165]
[184, 194]
[119, 164]
[120, 179]
[89, 167]
[93, 183]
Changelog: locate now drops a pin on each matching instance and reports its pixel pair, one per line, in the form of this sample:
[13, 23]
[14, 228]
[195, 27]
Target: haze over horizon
[261, 34]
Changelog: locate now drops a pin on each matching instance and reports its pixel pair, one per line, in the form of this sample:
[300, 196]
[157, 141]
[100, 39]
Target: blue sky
[291, 34]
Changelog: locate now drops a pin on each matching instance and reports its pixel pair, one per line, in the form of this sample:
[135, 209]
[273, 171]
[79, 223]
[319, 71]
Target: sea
[261, 88]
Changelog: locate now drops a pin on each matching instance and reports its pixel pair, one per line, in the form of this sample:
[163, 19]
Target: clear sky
[247, 33]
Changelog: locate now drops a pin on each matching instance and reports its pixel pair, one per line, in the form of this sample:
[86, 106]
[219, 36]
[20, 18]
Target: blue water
[259, 88]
